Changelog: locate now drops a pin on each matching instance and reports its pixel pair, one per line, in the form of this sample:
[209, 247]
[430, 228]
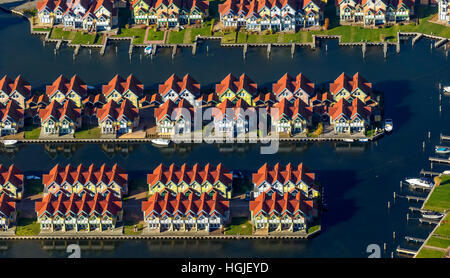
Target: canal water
[359, 179]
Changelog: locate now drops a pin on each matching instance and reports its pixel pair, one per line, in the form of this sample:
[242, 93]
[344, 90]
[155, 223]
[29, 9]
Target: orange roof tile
[184, 205]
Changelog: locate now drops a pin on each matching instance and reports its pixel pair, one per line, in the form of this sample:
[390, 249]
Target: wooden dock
[428, 221]
[445, 137]
[439, 160]
[416, 209]
[412, 198]
[429, 173]
[405, 251]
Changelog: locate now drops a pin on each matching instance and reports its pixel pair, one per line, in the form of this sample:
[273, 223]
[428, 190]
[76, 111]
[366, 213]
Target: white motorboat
[161, 142]
[363, 140]
[9, 142]
[31, 177]
[423, 182]
[148, 50]
[442, 150]
[447, 89]
[432, 215]
[348, 140]
[388, 125]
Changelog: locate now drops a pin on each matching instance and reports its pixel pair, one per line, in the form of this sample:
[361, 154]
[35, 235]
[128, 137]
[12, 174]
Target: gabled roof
[350, 84]
[65, 86]
[11, 110]
[7, 205]
[92, 174]
[350, 111]
[168, 107]
[19, 85]
[121, 85]
[178, 85]
[290, 110]
[235, 85]
[277, 204]
[293, 85]
[210, 98]
[186, 173]
[11, 175]
[232, 110]
[117, 112]
[283, 174]
[184, 205]
[266, 98]
[58, 111]
[39, 99]
[86, 204]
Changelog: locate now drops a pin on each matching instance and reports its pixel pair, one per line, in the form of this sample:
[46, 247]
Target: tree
[326, 23]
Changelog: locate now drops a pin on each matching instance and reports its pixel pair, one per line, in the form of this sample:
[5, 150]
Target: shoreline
[438, 41]
[156, 237]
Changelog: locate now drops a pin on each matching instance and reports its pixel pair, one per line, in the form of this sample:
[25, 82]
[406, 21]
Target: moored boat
[423, 182]
[148, 49]
[388, 125]
[447, 89]
[161, 142]
[9, 142]
[432, 215]
[442, 150]
[348, 140]
[363, 140]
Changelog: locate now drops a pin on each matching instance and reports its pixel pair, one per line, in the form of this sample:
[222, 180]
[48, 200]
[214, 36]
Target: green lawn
[239, 225]
[27, 227]
[174, 37]
[444, 228]
[137, 33]
[88, 133]
[440, 198]
[313, 229]
[128, 228]
[76, 37]
[32, 132]
[155, 35]
[430, 253]
[438, 242]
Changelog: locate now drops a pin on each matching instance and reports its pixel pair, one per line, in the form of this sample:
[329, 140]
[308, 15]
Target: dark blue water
[359, 180]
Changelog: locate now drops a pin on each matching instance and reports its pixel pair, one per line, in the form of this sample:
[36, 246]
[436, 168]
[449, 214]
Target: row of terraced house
[187, 198]
[293, 105]
[253, 15]
[374, 12]
[89, 15]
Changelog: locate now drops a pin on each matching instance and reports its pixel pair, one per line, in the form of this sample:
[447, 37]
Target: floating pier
[174, 50]
[428, 221]
[445, 137]
[412, 198]
[429, 173]
[439, 160]
[415, 209]
[405, 251]
[194, 48]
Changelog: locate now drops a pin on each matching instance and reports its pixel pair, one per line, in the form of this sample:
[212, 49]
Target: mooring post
[363, 50]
